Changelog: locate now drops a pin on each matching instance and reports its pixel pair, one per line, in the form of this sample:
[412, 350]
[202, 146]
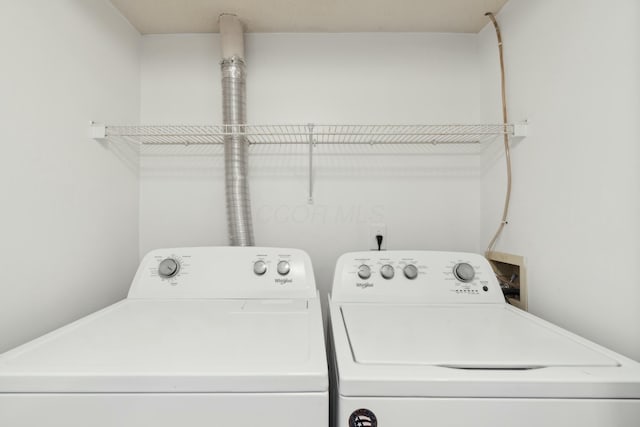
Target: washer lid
[177, 346]
[470, 337]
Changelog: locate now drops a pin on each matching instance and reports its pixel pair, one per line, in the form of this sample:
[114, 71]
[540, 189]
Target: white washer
[206, 337]
[425, 338]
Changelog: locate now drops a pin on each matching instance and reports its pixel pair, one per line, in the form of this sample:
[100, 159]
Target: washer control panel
[415, 276]
[224, 272]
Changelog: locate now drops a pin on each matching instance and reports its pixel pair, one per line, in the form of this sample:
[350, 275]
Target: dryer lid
[468, 337]
[177, 346]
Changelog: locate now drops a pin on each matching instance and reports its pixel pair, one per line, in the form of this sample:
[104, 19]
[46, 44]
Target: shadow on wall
[127, 152]
[331, 161]
[102, 22]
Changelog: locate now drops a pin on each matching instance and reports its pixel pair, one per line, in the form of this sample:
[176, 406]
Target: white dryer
[212, 336]
[425, 338]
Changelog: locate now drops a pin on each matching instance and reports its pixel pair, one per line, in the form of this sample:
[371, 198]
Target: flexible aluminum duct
[236, 146]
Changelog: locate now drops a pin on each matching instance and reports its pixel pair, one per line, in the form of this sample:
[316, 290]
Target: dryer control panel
[415, 276]
[224, 272]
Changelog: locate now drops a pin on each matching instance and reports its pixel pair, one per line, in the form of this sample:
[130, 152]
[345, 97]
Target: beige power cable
[507, 151]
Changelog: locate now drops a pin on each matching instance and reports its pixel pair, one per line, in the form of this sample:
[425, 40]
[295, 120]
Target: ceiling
[281, 16]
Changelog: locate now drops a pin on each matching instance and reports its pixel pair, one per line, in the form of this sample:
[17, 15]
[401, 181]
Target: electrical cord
[507, 151]
[507, 280]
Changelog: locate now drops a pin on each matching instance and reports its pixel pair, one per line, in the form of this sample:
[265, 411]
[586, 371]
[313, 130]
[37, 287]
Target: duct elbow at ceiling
[236, 146]
[231, 37]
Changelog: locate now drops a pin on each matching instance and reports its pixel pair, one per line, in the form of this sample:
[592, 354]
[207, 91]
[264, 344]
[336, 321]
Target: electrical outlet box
[512, 276]
[377, 229]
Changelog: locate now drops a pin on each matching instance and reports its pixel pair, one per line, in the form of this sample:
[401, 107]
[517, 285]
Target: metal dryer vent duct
[236, 146]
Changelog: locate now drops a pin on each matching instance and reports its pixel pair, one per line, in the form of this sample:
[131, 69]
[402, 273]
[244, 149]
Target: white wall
[68, 222]
[426, 201]
[572, 70]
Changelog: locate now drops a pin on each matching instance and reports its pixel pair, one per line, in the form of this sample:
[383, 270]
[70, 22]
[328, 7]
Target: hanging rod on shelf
[300, 134]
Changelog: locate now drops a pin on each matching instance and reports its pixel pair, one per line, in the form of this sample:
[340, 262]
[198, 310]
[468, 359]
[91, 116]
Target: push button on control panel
[410, 271]
[284, 268]
[259, 268]
[387, 271]
[364, 271]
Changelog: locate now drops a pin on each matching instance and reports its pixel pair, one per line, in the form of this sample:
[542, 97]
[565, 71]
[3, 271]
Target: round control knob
[259, 267]
[410, 271]
[364, 271]
[464, 272]
[168, 267]
[387, 271]
[283, 268]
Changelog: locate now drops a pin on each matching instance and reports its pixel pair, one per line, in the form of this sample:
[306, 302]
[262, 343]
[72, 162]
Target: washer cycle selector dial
[168, 268]
[283, 268]
[464, 272]
[259, 267]
[410, 271]
[364, 271]
[387, 271]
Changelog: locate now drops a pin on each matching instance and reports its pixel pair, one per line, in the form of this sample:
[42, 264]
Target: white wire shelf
[310, 133]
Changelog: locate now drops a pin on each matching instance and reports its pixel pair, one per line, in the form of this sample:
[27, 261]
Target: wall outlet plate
[376, 229]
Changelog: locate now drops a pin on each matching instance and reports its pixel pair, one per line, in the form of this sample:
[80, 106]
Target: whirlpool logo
[364, 285]
[363, 418]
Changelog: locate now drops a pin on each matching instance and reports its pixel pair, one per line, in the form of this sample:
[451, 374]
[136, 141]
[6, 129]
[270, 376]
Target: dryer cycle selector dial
[364, 271]
[387, 271]
[168, 268]
[283, 268]
[259, 268]
[410, 271]
[464, 272]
